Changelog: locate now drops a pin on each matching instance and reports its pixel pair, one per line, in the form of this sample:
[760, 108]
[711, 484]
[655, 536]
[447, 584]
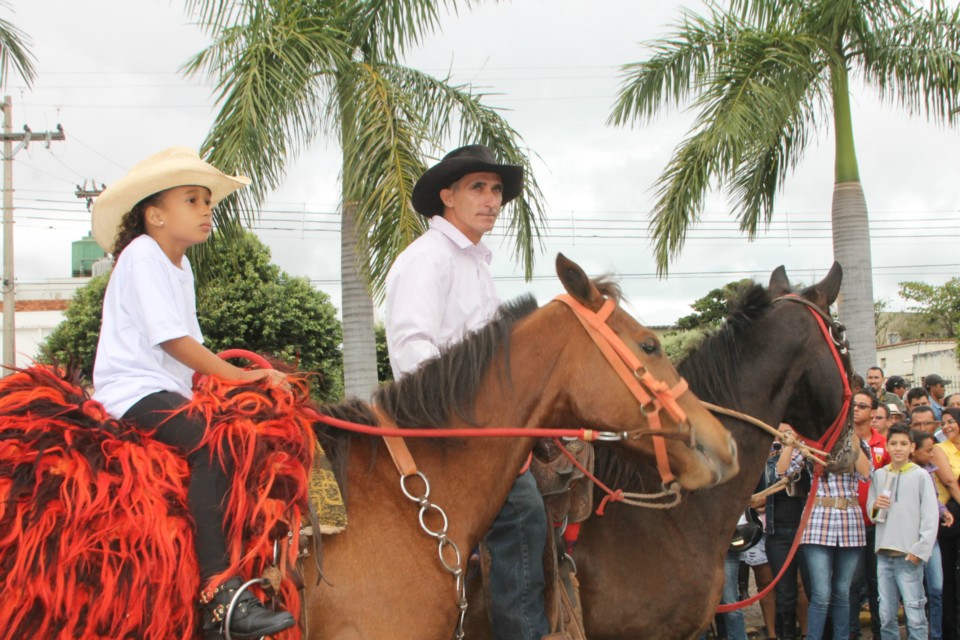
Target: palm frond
[271, 75]
[213, 16]
[678, 67]
[854, 21]
[441, 105]
[398, 112]
[381, 139]
[384, 29]
[764, 14]
[915, 63]
[753, 124]
[15, 53]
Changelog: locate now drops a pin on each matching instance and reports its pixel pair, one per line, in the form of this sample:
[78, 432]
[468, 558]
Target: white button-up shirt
[438, 289]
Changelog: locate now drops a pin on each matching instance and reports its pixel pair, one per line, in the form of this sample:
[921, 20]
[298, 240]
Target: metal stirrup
[233, 602]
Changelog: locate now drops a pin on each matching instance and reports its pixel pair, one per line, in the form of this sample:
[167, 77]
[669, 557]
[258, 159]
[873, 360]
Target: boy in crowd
[903, 503]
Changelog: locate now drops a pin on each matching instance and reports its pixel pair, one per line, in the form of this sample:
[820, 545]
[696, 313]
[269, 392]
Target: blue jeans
[736, 629]
[897, 577]
[865, 585]
[831, 572]
[933, 579]
[516, 542]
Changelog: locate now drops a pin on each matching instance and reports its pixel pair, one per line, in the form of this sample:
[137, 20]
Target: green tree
[938, 305]
[711, 309]
[14, 52]
[678, 344]
[254, 305]
[74, 341]
[288, 71]
[761, 75]
[251, 304]
[384, 372]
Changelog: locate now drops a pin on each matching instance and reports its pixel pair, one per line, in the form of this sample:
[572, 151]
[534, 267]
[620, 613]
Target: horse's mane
[710, 369]
[438, 390]
[711, 366]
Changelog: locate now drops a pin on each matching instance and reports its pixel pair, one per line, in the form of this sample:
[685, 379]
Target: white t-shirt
[438, 289]
[148, 301]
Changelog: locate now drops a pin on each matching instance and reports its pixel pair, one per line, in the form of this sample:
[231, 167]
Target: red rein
[826, 442]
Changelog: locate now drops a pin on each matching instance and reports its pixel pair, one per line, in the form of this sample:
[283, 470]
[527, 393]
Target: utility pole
[9, 300]
[89, 193]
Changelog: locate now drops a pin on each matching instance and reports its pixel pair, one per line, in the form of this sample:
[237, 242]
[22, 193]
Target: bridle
[653, 395]
[835, 334]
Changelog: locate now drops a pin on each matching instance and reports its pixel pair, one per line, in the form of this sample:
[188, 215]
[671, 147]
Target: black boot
[789, 629]
[250, 619]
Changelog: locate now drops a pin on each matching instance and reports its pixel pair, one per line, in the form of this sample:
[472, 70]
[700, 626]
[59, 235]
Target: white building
[39, 309]
[915, 359]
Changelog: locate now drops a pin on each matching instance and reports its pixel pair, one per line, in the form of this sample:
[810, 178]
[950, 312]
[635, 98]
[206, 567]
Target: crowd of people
[883, 538]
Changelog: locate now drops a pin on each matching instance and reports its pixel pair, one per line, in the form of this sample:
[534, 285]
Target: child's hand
[914, 559]
[883, 502]
[947, 519]
[277, 378]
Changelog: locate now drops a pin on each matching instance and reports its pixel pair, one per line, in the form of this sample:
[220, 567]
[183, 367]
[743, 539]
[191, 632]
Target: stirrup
[228, 617]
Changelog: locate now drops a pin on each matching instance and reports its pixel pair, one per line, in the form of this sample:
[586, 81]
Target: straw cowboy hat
[474, 158]
[173, 167]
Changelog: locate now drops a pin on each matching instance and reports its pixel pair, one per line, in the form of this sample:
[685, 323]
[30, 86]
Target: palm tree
[14, 52]
[290, 70]
[762, 74]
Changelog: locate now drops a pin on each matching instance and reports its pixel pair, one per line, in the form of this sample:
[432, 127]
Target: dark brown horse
[533, 367]
[771, 361]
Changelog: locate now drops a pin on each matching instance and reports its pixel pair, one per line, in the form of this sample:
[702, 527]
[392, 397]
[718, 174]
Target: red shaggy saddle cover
[96, 540]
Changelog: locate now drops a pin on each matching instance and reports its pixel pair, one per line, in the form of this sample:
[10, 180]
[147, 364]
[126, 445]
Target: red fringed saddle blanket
[95, 537]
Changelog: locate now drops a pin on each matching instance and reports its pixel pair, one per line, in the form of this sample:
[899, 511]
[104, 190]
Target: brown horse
[771, 361]
[532, 367]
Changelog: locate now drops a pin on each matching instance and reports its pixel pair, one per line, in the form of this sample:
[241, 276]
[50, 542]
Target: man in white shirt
[438, 290]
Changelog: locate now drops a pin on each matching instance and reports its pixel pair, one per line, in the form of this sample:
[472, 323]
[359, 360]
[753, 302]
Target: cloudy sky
[108, 72]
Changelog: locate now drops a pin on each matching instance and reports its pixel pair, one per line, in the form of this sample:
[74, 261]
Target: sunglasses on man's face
[862, 405]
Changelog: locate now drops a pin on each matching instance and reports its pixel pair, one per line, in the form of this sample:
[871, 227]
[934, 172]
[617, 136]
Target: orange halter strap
[653, 395]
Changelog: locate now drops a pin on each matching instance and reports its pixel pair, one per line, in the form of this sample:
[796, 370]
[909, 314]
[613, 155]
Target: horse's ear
[577, 284]
[828, 289]
[779, 282]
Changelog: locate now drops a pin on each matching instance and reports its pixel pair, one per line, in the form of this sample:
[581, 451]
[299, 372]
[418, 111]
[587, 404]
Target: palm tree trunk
[851, 248]
[851, 234]
[359, 341]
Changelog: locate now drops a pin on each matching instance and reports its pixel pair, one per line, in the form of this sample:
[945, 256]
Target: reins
[840, 351]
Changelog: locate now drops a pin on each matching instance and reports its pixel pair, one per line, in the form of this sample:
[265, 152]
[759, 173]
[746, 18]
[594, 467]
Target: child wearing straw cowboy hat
[150, 345]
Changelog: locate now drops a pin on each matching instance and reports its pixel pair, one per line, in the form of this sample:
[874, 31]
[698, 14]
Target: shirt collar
[906, 467]
[458, 238]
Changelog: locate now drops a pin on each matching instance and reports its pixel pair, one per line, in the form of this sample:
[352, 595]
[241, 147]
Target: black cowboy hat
[473, 158]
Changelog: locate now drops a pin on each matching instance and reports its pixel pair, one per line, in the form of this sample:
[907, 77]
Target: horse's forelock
[609, 288]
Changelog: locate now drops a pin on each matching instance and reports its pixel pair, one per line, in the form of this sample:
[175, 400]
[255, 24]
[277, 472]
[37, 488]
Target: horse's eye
[650, 347]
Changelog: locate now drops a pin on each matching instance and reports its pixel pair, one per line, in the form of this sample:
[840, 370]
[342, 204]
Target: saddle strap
[571, 609]
[402, 459]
